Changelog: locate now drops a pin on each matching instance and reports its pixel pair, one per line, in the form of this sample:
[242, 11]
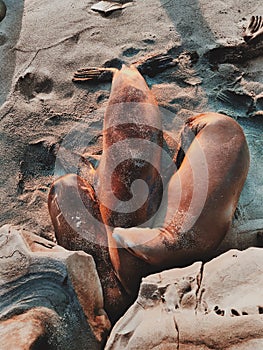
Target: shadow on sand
[10, 29]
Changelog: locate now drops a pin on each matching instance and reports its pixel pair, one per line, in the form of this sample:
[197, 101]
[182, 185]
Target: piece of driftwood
[51, 298]
[217, 305]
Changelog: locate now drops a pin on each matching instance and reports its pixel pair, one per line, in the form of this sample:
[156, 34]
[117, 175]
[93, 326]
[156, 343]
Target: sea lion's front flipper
[155, 63]
[254, 29]
[94, 74]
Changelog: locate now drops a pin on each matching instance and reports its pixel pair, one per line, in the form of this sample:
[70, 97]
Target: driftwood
[51, 298]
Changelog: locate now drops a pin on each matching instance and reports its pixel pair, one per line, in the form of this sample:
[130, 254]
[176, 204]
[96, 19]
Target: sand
[42, 43]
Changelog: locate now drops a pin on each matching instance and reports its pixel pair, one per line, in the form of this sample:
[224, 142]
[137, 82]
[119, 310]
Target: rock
[33, 328]
[2, 10]
[107, 7]
[49, 296]
[242, 236]
[217, 305]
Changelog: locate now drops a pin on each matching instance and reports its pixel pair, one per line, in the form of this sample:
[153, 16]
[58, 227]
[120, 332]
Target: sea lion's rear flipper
[151, 65]
[155, 63]
[94, 74]
[144, 243]
[254, 29]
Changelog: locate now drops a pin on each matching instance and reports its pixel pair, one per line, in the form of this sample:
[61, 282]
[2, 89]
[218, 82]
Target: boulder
[217, 305]
[50, 298]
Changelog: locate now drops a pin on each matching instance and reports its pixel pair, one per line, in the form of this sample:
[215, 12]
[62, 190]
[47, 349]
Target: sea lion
[132, 126]
[132, 129]
[182, 223]
[201, 196]
[71, 203]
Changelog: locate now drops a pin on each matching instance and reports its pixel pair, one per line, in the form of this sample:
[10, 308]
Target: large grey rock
[50, 297]
[217, 305]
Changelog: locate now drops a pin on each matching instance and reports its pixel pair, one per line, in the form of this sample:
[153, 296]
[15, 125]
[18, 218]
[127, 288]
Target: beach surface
[43, 43]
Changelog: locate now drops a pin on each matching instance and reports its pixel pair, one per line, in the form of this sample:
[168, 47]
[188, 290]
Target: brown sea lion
[201, 196]
[75, 214]
[132, 128]
[132, 125]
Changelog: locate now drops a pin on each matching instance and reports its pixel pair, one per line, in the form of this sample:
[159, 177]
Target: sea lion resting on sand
[198, 202]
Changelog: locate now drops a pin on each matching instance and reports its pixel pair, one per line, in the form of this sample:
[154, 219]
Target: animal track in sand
[131, 51]
[32, 84]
